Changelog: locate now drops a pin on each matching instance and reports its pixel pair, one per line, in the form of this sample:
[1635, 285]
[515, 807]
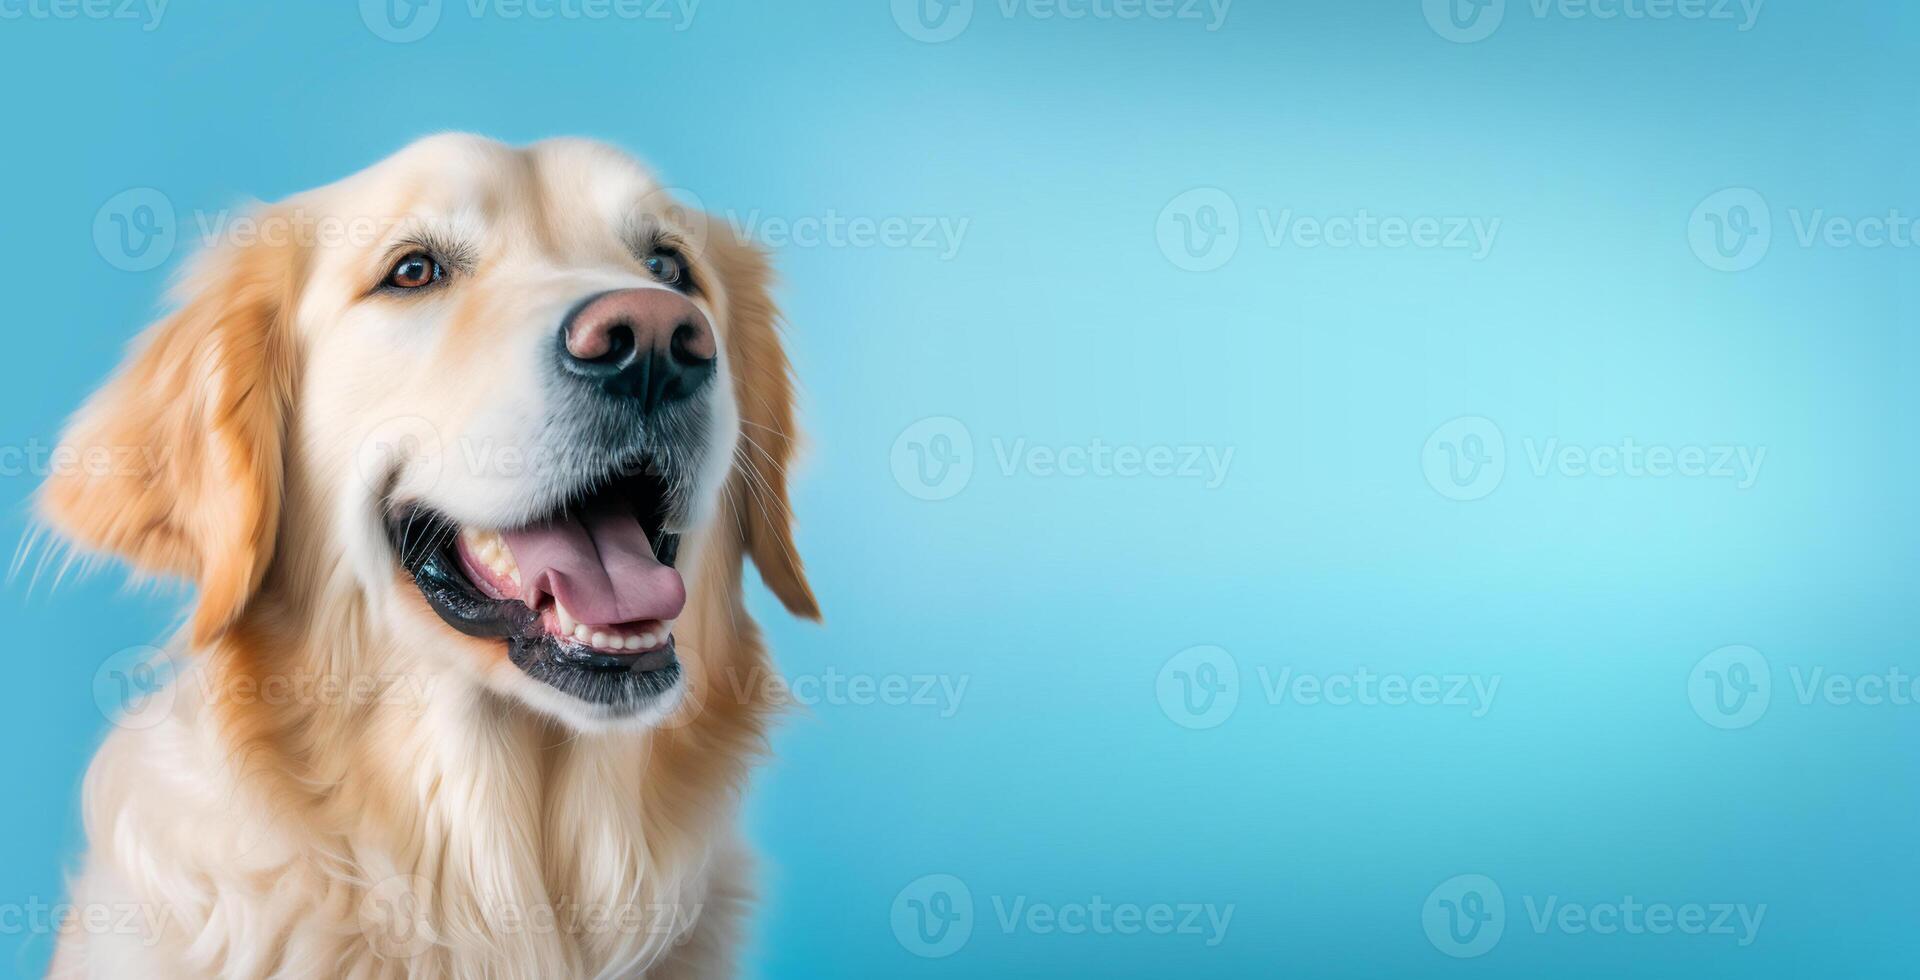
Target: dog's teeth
[617, 642]
[605, 637]
[492, 551]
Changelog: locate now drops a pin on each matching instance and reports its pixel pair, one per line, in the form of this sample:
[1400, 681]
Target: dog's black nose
[650, 345]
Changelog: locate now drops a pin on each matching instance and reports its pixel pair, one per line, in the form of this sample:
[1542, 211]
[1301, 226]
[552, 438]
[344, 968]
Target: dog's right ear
[176, 465]
[764, 381]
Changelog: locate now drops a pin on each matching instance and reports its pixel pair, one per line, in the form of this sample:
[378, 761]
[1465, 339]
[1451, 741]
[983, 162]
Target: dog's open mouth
[584, 596]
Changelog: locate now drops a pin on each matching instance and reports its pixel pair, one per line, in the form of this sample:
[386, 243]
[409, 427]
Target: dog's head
[512, 396]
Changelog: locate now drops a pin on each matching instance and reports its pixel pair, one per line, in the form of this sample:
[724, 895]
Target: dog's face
[500, 386]
[530, 371]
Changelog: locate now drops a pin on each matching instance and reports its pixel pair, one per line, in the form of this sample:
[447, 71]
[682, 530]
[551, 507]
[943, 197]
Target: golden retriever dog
[464, 455]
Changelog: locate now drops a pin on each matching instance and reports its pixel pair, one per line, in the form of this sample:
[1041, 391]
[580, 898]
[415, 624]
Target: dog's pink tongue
[600, 564]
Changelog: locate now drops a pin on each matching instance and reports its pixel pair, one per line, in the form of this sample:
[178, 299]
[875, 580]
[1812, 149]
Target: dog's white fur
[337, 784]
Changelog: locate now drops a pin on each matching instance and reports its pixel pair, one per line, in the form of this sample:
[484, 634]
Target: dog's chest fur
[465, 843]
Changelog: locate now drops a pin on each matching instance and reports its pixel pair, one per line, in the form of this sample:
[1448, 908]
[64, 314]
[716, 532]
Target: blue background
[1332, 545]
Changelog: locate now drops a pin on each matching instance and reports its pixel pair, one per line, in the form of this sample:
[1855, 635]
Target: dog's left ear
[176, 465]
[763, 384]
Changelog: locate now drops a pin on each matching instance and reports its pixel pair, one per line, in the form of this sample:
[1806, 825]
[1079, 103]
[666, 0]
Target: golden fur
[437, 823]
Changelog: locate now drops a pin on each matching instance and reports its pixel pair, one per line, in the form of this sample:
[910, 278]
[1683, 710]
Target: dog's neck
[402, 772]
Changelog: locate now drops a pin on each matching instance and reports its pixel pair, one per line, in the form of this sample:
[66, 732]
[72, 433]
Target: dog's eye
[667, 268]
[414, 270]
